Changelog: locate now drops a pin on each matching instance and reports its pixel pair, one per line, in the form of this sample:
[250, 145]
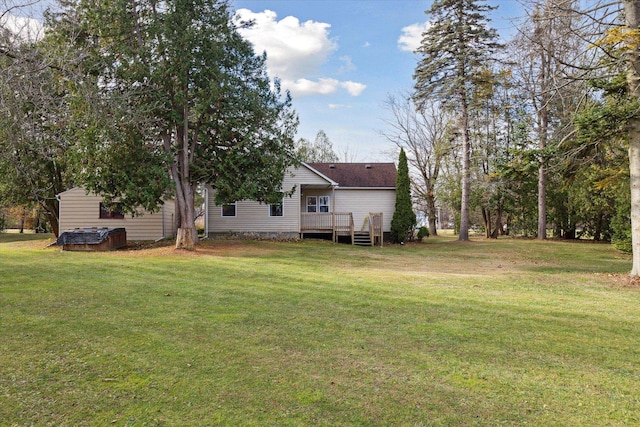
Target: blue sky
[341, 59]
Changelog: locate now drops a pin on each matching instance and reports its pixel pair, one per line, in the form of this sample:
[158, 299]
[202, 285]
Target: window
[318, 204]
[111, 211]
[323, 203]
[312, 204]
[229, 209]
[276, 209]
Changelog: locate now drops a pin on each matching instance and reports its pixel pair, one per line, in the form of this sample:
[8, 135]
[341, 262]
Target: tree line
[537, 136]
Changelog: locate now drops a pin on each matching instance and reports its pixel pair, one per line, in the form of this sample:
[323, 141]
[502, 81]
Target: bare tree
[425, 136]
[34, 113]
[548, 50]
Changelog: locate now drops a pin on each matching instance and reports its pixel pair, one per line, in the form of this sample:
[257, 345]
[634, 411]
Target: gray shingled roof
[359, 174]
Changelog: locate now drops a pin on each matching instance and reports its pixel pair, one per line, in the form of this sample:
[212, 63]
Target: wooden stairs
[362, 238]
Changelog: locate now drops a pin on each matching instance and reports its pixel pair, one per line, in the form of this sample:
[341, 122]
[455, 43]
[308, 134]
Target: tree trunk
[432, 213]
[542, 200]
[466, 170]
[186, 237]
[632, 16]
[22, 220]
[498, 231]
[486, 216]
[543, 117]
[51, 208]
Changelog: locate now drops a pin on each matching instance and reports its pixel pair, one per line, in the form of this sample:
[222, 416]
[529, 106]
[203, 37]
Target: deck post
[333, 213]
[333, 226]
[352, 228]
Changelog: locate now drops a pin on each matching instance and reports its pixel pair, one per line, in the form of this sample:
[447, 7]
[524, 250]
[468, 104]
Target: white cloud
[336, 106]
[366, 44]
[353, 88]
[21, 27]
[296, 51]
[303, 87]
[347, 65]
[411, 37]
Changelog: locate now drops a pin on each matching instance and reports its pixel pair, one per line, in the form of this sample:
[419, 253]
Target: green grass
[259, 333]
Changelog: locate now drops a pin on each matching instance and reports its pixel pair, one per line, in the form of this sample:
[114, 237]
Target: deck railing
[339, 224]
[375, 228]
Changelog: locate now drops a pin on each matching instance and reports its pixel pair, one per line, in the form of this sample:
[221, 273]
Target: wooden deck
[338, 224]
[341, 224]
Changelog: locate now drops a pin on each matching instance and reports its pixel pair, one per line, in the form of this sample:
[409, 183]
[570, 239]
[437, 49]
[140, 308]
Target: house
[81, 210]
[344, 201]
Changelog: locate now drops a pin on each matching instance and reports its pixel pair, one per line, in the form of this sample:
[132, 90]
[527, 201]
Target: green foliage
[321, 150]
[621, 222]
[422, 233]
[187, 99]
[404, 218]
[516, 170]
[455, 46]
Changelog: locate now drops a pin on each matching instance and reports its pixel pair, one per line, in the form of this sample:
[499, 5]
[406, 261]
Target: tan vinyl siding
[168, 217]
[362, 202]
[254, 217]
[303, 176]
[80, 210]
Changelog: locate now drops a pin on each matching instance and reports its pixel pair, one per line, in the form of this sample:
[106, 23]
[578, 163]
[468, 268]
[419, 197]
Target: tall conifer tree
[456, 44]
[404, 218]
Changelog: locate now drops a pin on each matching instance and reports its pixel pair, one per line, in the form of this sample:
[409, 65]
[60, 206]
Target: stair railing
[375, 228]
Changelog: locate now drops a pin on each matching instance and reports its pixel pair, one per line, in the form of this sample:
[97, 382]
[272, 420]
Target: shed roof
[359, 175]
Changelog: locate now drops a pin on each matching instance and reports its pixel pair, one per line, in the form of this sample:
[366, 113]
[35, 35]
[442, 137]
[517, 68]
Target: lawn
[312, 333]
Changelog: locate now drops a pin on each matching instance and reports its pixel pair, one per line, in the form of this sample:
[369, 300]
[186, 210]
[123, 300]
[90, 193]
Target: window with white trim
[323, 203]
[318, 204]
[276, 209]
[312, 204]
[229, 209]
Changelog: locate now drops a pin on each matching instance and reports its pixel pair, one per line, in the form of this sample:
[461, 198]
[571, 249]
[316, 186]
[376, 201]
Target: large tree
[455, 46]
[632, 18]
[180, 94]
